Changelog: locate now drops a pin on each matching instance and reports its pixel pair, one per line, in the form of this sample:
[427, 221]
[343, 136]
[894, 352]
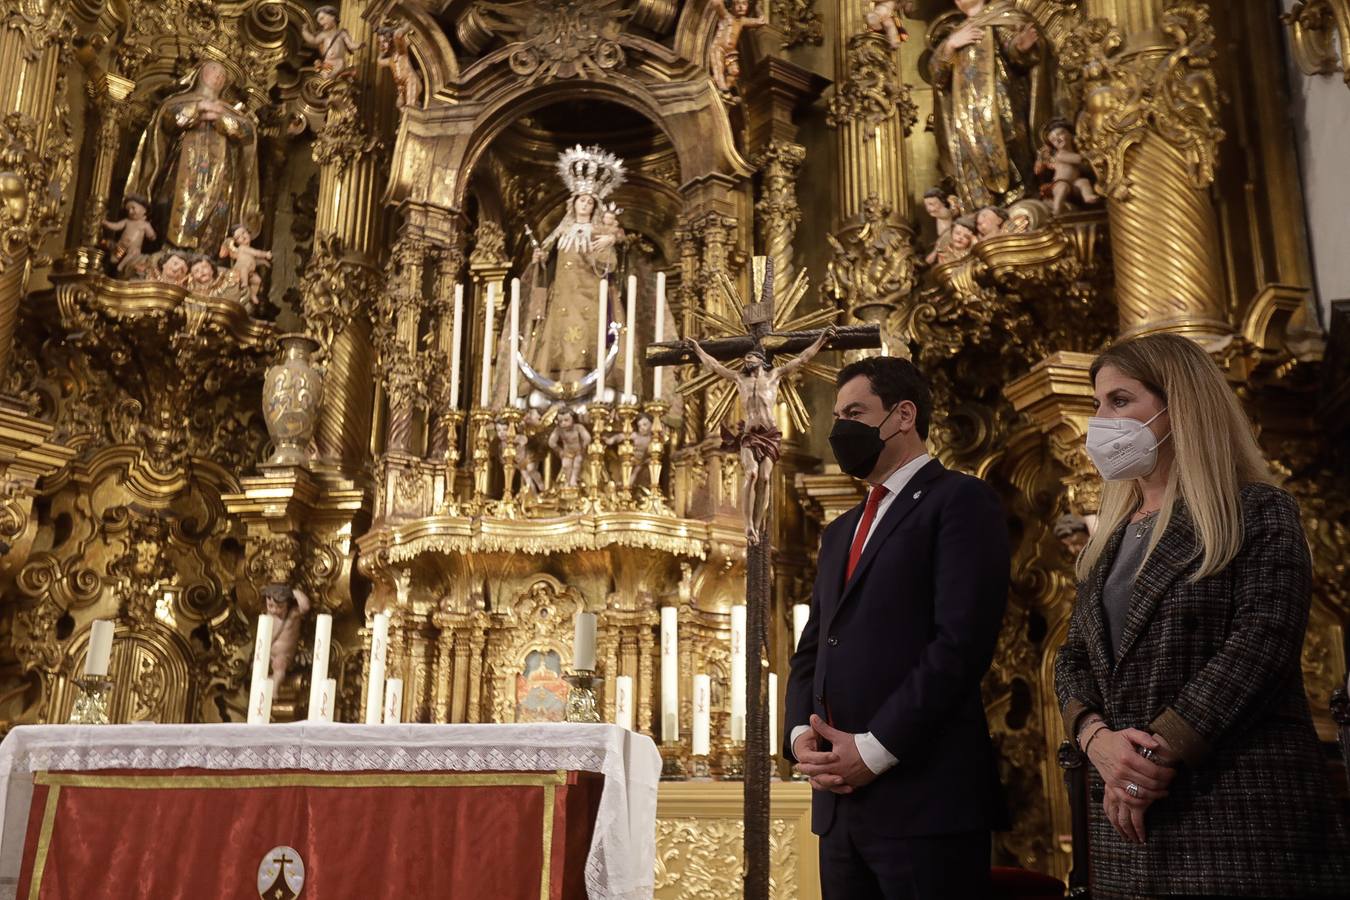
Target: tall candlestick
[670, 674]
[260, 706]
[631, 321]
[379, 650]
[738, 673]
[800, 613]
[623, 701]
[601, 326]
[456, 331]
[485, 383]
[328, 700]
[262, 661]
[773, 714]
[318, 673]
[702, 744]
[99, 654]
[583, 643]
[660, 334]
[515, 342]
[393, 701]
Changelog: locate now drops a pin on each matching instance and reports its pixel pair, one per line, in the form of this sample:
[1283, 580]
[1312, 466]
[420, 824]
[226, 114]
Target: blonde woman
[1180, 677]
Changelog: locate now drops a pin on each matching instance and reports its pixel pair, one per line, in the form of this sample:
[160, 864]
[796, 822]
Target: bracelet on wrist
[1092, 736]
[1087, 722]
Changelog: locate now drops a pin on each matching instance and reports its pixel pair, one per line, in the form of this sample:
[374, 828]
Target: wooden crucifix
[769, 329]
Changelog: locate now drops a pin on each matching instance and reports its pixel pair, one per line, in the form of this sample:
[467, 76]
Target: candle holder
[581, 701]
[673, 765]
[449, 505]
[595, 460]
[699, 769]
[628, 413]
[655, 500]
[92, 701]
[481, 425]
[507, 508]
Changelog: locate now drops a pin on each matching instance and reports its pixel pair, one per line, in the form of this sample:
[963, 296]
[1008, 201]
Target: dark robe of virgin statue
[990, 92]
[197, 162]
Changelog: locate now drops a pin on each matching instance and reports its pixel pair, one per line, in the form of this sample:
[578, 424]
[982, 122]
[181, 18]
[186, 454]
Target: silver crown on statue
[590, 170]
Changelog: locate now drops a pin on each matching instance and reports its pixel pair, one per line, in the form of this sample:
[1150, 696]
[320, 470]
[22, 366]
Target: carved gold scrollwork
[40, 22]
[873, 91]
[330, 290]
[344, 138]
[31, 182]
[556, 40]
[799, 22]
[1168, 90]
[874, 264]
[1316, 28]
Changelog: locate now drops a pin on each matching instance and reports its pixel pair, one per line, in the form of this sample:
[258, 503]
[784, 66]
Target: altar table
[190, 812]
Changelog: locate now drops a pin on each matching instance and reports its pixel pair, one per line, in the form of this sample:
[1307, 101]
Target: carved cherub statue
[609, 227]
[569, 440]
[526, 463]
[174, 269]
[133, 232]
[989, 221]
[723, 57]
[884, 18]
[201, 276]
[642, 442]
[239, 248]
[944, 209]
[1060, 157]
[394, 56]
[289, 606]
[331, 40]
[964, 236]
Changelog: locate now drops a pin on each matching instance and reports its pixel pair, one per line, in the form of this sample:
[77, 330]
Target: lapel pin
[916, 494]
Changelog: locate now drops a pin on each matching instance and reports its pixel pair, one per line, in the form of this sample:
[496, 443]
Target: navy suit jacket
[900, 651]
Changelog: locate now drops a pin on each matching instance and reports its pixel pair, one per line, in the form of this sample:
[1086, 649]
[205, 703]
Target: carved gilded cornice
[1057, 396]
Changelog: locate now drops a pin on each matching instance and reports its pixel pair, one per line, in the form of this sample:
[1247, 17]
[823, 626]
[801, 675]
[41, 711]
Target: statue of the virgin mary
[560, 320]
[197, 162]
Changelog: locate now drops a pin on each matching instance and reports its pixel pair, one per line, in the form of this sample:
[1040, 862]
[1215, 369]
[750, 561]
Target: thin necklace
[1144, 525]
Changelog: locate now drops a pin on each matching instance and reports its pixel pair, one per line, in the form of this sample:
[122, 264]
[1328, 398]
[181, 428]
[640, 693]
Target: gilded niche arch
[526, 651]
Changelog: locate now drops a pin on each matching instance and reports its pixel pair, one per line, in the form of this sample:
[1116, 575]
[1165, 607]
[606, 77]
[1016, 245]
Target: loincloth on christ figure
[763, 441]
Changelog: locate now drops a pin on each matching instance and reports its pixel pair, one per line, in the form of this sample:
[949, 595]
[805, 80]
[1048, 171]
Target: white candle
[738, 673]
[393, 701]
[456, 331]
[485, 382]
[660, 330]
[583, 643]
[670, 674]
[379, 650]
[318, 673]
[773, 714]
[702, 715]
[623, 701]
[800, 613]
[99, 654]
[515, 342]
[262, 661]
[631, 322]
[260, 706]
[601, 325]
[328, 703]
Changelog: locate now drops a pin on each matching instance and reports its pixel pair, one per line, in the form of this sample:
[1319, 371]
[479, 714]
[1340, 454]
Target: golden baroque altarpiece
[188, 417]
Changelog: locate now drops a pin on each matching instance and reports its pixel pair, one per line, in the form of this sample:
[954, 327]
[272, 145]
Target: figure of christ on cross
[757, 437]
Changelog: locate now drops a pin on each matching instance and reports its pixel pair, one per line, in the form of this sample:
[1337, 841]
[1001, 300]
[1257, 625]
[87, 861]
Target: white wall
[1321, 118]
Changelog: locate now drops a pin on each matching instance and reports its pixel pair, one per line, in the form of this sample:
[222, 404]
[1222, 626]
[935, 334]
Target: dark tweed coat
[1214, 667]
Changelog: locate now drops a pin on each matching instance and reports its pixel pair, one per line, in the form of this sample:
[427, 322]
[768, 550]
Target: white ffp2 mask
[1122, 449]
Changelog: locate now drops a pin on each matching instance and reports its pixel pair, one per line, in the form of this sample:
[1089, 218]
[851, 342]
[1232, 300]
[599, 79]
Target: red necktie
[865, 526]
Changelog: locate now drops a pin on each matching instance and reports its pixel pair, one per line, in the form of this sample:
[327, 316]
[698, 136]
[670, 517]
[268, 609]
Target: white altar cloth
[621, 862]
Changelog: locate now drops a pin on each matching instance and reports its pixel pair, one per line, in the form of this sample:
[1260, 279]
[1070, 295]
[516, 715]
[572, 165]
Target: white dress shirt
[874, 755]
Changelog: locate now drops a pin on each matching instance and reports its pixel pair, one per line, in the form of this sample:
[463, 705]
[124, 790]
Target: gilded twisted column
[108, 94]
[396, 339]
[342, 275]
[449, 265]
[1150, 128]
[777, 213]
[35, 145]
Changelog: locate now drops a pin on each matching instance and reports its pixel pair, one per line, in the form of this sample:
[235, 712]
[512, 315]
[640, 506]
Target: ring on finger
[1147, 754]
[1132, 789]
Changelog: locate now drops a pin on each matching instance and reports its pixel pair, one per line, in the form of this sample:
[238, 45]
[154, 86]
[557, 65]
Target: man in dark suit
[883, 701]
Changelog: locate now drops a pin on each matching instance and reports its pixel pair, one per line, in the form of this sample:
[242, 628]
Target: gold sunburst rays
[722, 397]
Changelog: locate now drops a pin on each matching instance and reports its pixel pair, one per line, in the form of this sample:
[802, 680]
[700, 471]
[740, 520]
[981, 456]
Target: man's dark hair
[893, 379]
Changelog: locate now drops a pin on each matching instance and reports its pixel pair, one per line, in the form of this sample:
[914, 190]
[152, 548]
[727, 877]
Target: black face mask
[857, 446]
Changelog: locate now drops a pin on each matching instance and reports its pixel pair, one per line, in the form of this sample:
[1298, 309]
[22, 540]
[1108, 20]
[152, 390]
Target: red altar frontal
[339, 812]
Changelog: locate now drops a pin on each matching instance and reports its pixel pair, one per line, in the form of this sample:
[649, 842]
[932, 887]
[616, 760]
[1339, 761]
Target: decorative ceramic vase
[291, 392]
